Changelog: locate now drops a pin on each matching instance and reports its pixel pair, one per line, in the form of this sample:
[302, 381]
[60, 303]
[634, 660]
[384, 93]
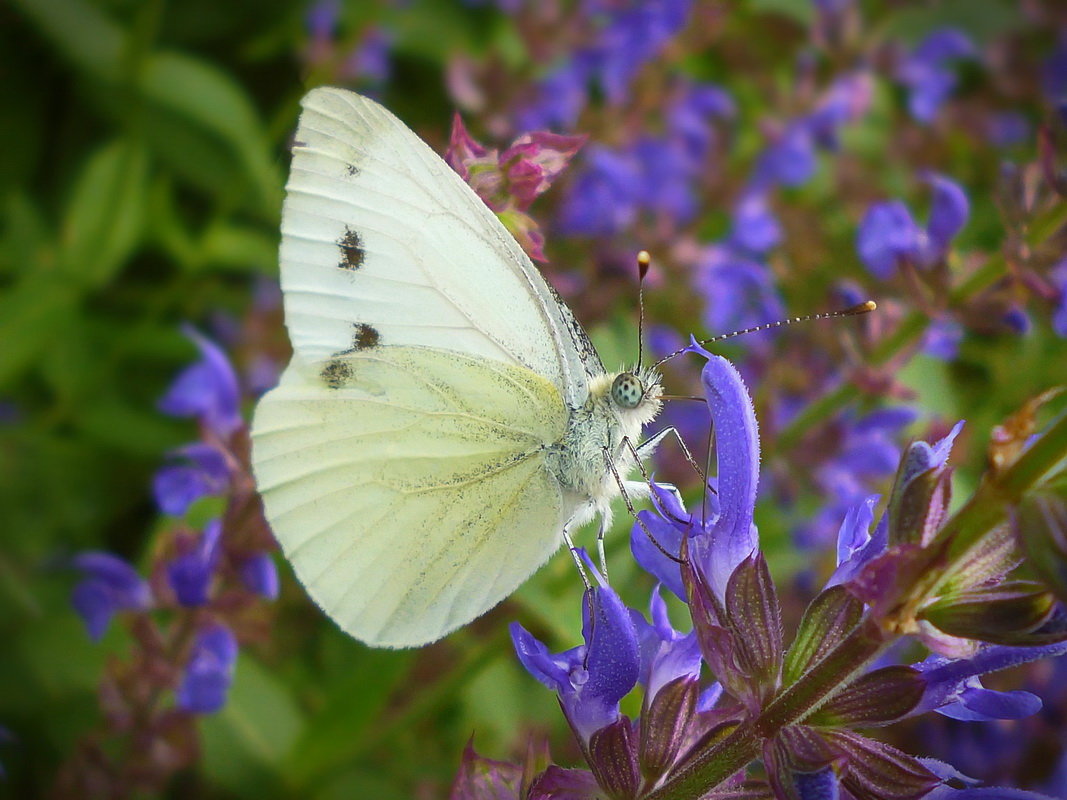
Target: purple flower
[592, 678]
[732, 537]
[209, 673]
[109, 585]
[207, 390]
[888, 234]
[690, 114]
[820, 785]
[789, 161]
[370, 60]
[755, 228]
[633, 36]
[943, 339]
[190, 574]
[559, 97]
[602, 200]
[668, 525]
[951, 683]
[1058, 276]
[199, 470]
[927, 74]
[846, 100]
[260, 575]
[739, 292]
[666, 654]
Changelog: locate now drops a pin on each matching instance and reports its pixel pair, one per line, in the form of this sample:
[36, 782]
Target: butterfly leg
[645, 449]
[577, 559]
[640, 489]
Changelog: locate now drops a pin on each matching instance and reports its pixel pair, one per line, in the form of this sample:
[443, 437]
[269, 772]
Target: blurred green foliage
[144, 151]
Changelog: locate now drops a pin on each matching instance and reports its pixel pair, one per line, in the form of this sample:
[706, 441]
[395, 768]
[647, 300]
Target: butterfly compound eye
[627, 390]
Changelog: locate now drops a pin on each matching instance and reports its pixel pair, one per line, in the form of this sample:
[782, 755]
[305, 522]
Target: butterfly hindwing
[412, 496]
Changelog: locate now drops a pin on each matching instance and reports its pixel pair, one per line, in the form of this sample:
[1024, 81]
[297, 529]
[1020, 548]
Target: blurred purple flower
[820, 785]
[690, 114]
[846, 100]
[196, 470]
[667, 171]
[603, 197]
[190, 574]
[888, 234]
[1007, 128]
[207, 390]
[868, 452]
[927, 74]
[755, 228]
[592, 678]
[1054, 73]
[942, 339]
[209, 672]
[788, 161]
[109, 585]
[559, 97]
[1058, 277]
[260, 575]
[370, 60]
[738, 292]
[1018, 320]
[632, 35]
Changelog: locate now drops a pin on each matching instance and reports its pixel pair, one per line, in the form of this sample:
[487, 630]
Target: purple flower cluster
[711, 560]
[196, 566]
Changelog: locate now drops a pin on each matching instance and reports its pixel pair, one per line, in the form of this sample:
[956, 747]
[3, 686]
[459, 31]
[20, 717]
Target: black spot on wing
[351, 245]
[364, 337]
[336, 373]
[351, 170]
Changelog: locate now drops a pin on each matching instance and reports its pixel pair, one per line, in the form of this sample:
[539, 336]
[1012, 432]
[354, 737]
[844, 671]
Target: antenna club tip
[870, 305]
[643, 262]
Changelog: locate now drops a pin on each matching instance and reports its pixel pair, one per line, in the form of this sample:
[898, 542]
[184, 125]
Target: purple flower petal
[942, 339]
[975, 703]
[590, 679]
[209, 673]
[207, 390]
[260, 575]
[821, 785]
[190, 574]
[948, 212]
[887, 234]
[755, 228]
[732, 537]
[946, 678]
[109, 585]
[199, 470]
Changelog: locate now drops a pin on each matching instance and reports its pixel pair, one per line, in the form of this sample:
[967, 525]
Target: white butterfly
[444, 417]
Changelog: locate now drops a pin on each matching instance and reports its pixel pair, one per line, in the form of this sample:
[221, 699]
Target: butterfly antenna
[851, 311]
[643, 261]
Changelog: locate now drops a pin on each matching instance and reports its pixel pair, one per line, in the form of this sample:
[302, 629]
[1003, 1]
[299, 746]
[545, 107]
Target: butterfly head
[636, 394]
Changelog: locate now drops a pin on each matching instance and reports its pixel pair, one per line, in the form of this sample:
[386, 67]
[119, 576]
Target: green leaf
[877, 698]
[31, 315]
[340, 730]
[105, 216]
[246, 742]
[827, 620]
[1041, 525]
[1002, 614]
